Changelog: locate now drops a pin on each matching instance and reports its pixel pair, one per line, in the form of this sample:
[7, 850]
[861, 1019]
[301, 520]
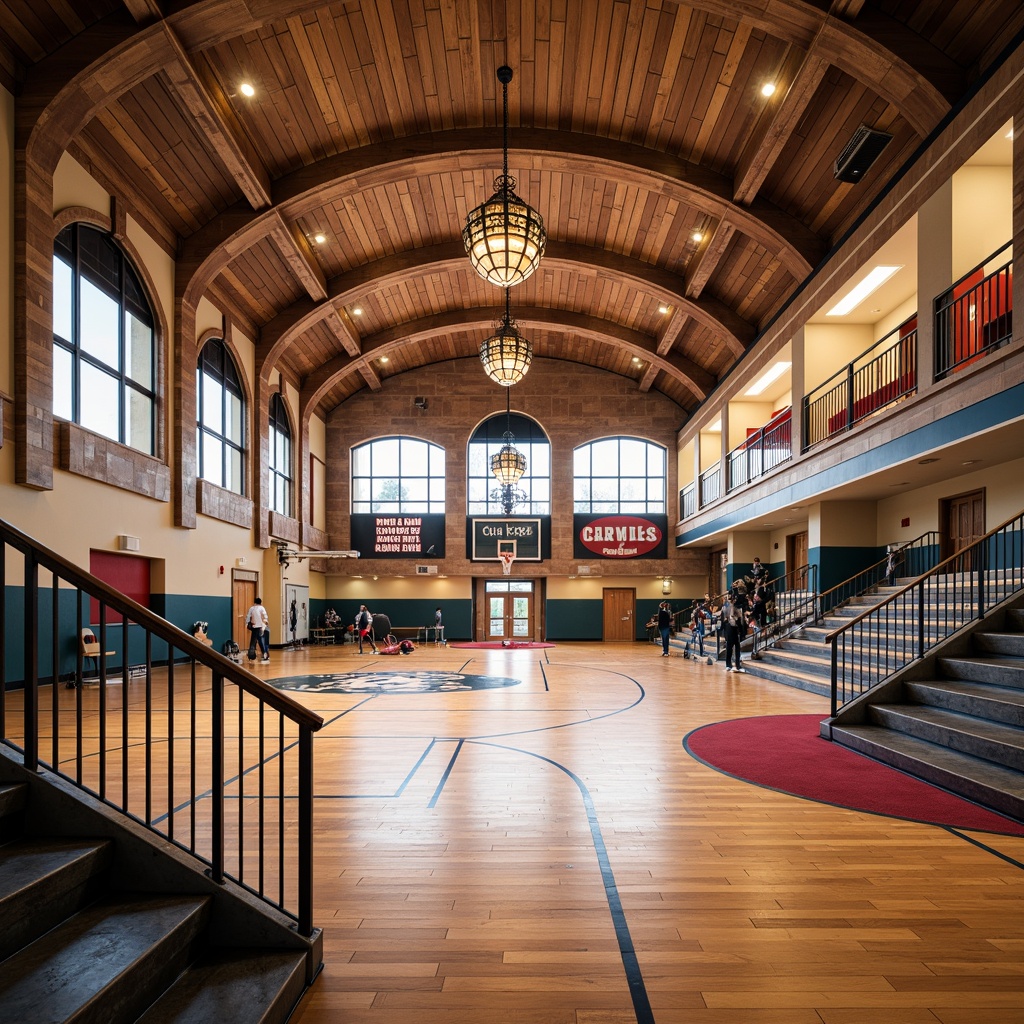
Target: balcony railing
[975, 315]
[710, 484]
[687, 501]
[761, 452]
[879, 376]
[169, 732]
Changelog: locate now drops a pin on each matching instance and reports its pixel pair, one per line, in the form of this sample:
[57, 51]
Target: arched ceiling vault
[683, 209]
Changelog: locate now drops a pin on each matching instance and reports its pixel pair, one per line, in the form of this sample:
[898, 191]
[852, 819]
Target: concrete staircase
[958, 720]
[79, 942]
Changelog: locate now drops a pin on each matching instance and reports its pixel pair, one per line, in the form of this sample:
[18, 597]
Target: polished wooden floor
[473, 851]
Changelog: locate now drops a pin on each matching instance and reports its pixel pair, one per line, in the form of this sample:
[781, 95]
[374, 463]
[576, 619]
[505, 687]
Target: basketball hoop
[507, 558]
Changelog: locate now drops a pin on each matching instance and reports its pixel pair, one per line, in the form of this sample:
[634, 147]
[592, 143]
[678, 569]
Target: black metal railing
[909, 623]
[976, 315]
[879, 376]
[710, 485]
[169, 732]
[761, 452]
[688, 501]
[913, 558]
[793, 601]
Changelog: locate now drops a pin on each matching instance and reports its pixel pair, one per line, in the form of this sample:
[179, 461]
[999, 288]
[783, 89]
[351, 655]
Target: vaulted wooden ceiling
[634, 125]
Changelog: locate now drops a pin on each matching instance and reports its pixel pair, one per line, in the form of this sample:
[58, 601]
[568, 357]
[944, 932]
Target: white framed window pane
[385, 457]
[98, 325]
[540, 460]
[361, 461]
[611, 507]
[606, 490]
[213, 458]
[580, 490]
[633, 457]
[437, 491]
[63, 405]
[138, 428]
[632, 490]
[581, 461]
[655, 460]
[437, 455]
[540, 490]
[99, 402]
[62, 300]
[234, 431]
[212, 413]
[605, 455]
[478, 488]
[361, 489]
[414, 489]
[235, 471]
[478, 460]
[138, 357]
[414, 456]
[656, 490]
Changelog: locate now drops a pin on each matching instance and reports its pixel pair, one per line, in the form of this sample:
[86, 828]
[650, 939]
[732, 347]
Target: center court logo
[393, 682]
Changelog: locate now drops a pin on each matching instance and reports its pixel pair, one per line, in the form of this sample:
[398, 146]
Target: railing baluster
[55, 669]
[217, 781]
[31, 716]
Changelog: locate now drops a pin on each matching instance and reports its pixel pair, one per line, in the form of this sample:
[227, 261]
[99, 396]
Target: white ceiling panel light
[863, 288]
[767, 379]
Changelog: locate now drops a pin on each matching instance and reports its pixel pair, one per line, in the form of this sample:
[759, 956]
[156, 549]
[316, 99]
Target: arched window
[398, 474]
[220, 430]
[619, 475]
[483, 496]
[104, 355]
[280, 458]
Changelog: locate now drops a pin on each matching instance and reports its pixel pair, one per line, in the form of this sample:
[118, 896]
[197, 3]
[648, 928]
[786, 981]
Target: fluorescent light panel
[860, 291]
[769, 377]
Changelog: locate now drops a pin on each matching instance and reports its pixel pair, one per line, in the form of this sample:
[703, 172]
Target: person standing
[364, 628]
[259, 626]
[438, 627]
[699, 625]
[732, 631]
[664, 626]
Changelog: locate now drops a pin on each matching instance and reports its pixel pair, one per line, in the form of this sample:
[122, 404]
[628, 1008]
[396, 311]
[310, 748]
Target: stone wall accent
[227, 506]
[282, 527]
[98, 458]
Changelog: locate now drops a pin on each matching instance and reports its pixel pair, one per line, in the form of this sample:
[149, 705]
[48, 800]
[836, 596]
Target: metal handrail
[140, 780]
[869, 648]
[873, 575]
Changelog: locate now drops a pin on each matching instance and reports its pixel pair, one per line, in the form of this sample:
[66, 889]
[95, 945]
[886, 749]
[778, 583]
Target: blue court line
[544, 676]
[444, 777]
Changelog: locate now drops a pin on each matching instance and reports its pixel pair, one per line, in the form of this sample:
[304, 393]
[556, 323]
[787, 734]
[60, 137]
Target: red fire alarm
[905, 521]
[222, 570]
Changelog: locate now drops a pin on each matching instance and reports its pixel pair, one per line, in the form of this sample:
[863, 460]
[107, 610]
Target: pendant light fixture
[504, 236]
[508, 465]
[506, 355]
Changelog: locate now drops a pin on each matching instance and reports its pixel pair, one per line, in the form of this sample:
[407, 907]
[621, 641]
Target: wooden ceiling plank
[222, 131]
[707, 259]
[342, 328]
[298, 255]
[144, 11]
[370, 376]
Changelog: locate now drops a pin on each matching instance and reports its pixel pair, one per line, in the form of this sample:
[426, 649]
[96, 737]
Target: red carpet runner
[785, 753]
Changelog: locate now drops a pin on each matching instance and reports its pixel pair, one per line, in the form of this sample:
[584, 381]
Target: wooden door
[619, 614]
[719, 572]
[243, 593]
[964, 523]
[510, 615]
[797, 550]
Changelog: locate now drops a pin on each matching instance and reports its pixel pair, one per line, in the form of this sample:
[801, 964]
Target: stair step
[13, 800]
[982, 700]
[1001, 643]
[105, 964]
[1005, 671]
[43, 881]
[1001, 744]
[233, 986]
[779, 674]
[973, 778]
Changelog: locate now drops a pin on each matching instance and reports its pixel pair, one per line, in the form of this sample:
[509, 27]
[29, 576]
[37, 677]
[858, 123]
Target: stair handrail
[36, 556]
[861, 582]
[783, 624]
[984, 573]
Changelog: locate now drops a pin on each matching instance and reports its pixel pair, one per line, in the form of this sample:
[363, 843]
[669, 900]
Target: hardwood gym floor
[547, 853]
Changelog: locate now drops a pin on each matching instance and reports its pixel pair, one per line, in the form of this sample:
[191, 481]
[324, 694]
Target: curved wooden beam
[288, 326]
[402, 337]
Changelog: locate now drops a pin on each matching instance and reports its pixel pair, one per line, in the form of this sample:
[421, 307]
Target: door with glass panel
[510, 610]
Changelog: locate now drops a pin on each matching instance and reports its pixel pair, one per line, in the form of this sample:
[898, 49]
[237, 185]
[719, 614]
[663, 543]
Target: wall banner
[620, 536]
[398, 536]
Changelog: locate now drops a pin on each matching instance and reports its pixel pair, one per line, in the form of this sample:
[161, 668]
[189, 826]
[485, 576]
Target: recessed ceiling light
[860, 291]
[768, 89]
[698, 236]
[319, 238]
[926, 462]
[902, 483]
[971, 462]
[769, 377]
[357, 311]
[383, 359]
[636, 359]
[663, 310]
[247, 90]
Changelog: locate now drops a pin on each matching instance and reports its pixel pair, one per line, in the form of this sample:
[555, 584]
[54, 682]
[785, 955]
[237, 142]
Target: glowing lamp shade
[506, 355]
[504, 236]
[508, 464]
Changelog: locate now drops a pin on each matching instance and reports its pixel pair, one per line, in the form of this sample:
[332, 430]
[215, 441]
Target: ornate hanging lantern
[508, 465]
[506, 355]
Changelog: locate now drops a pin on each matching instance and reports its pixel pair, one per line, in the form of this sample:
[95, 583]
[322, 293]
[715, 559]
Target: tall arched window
[280, 458]
[104, 355]
[220, 430]
[398, 474]
[619, 475]
[483, 495]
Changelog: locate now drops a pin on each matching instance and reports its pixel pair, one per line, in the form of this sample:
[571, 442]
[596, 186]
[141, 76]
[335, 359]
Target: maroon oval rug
[786, 753]
[499, 645]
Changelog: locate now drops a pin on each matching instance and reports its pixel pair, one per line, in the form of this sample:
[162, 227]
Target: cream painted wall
[982, 214]
[430, 588]
[1004, 498]
[828, 347]
[208, 318]
[7, 243]
[744, 415]
[900, 315]
[743, 547]
[684, 464]
[846, 523]
[710, 448]
[73, 185]
[161, 269]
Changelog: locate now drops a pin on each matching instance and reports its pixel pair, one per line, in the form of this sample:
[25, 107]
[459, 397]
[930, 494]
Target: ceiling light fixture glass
[504, 236]
[508, 465]
[506, 355]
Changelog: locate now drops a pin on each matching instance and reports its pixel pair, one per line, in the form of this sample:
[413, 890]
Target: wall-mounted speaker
[860, 153]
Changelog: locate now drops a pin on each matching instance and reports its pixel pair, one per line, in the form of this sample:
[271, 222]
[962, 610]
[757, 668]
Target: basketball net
[507, 558]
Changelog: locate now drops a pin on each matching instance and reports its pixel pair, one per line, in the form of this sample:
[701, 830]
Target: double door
[510, 615]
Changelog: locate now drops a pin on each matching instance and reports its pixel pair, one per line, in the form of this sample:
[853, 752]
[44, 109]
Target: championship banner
[528, 534]
[620, 536]
[398, 536]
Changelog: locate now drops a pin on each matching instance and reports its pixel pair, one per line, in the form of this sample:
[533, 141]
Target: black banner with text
[398, 536]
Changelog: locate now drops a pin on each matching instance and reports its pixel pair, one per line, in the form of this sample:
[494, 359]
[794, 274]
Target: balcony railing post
[305, 827]
[217, 781]
[31, 661]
